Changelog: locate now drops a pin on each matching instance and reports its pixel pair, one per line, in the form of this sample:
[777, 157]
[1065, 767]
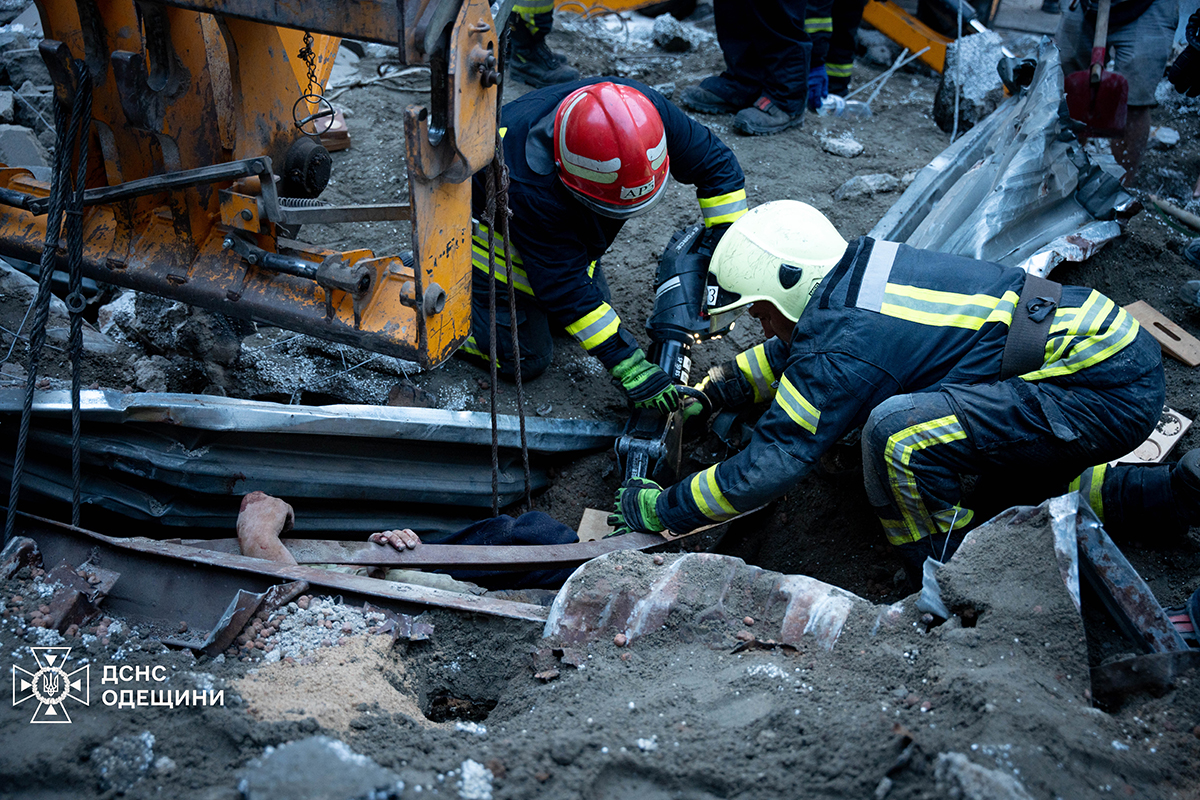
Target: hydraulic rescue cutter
[204, 160]
[651, 444]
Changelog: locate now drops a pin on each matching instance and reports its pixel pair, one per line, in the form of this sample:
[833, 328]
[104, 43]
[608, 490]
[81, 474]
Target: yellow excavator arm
[198, 170]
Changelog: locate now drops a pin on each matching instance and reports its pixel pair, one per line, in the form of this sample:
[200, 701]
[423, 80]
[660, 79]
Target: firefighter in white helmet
[952, 366]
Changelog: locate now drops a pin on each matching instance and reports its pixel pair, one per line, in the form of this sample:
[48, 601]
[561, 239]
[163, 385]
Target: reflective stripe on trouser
[1090, 485]
[1031, 439]
[838, 70]
[757, 371]
[533, 331]
[723, 208]
[479, 258]
[537, 15]
[914, 494]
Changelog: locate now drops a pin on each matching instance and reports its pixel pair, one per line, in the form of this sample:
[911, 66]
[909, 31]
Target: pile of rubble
[295, 631]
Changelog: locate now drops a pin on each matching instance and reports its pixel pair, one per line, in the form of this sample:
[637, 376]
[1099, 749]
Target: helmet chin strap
[621, 212]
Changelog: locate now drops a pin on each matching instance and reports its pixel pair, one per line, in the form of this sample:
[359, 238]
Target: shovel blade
[1103, 107]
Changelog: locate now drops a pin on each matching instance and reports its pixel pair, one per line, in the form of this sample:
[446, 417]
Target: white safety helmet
[777, 252]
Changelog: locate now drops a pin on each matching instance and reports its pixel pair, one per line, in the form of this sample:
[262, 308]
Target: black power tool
[651, 444]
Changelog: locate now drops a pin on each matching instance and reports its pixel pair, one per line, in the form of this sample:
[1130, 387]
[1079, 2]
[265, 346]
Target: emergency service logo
[52, 685]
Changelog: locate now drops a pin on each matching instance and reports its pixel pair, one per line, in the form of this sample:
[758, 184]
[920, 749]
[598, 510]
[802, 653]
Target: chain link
[309, 57]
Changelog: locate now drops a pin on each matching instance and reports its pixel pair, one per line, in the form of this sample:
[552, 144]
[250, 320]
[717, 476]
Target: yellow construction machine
[203, 156]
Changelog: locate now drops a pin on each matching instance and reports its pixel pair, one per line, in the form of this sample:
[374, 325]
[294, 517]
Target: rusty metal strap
[441, 556]
[65, 541]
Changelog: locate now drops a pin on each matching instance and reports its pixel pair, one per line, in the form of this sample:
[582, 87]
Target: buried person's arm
[262, 518]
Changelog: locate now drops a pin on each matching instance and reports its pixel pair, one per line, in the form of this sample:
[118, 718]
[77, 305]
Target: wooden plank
[1175, 341]
[594, 525]
[1162, 440]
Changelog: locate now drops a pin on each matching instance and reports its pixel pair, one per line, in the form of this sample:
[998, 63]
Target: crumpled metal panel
[428, 425]
[1011, 190]
[331, 467]
[145, 501]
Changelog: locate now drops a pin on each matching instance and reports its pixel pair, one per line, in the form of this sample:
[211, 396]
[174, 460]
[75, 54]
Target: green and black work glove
[645, 384]
[635, 507]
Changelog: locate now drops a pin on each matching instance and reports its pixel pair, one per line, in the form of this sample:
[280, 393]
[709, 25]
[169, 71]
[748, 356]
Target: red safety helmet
[610, 148]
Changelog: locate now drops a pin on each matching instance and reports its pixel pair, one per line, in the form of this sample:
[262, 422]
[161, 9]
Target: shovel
[1097, 98]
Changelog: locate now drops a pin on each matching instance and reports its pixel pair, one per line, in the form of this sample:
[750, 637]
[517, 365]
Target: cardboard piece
[1166, 434]
[594, 525]
[1175, 341]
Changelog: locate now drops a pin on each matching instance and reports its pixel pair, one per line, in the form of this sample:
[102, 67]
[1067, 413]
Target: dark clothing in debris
[531, 528]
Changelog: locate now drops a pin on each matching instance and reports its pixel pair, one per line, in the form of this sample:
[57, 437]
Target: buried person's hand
[400, 540]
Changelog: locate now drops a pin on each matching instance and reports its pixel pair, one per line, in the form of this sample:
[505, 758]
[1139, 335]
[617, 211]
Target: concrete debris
[23, 289]
[667, 90]
[1166, 95]
[1161, 137]
[476, 783]
[173, 328]
[316, 768]
[673, 36]
[296, 632]
[20, 60]
[28, 21]
[879, 49]
[972, 59]
[6, 106]
[123, 761]
[703, 597]
[958, 776]
[867, 185]
[844, 145]
[151, 373]
[19, 147]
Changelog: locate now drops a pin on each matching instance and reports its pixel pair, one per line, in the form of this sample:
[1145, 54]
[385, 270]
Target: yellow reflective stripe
[502, 132]
[708, 497]
[897, 454]
[838, 70]
[723, 208]
[595, 327]
[802, 412]
[947, 309]
[526, 8]
[1083, 339]
[479, 258]
[818, 24]
[957, 516]
[479, 234]
[472, 347]
[757, 371]
[1090, 485]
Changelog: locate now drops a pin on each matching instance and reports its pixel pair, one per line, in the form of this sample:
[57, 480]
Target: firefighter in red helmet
[583, 158]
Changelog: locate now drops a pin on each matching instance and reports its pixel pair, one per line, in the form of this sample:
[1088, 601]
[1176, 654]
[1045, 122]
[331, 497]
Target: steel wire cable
[67, 123]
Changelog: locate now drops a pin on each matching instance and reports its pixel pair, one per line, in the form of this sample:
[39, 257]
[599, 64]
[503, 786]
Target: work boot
[1192, 252]
[1190, 292]
[1051, 7]
[1185, 486]
[697, 98]
[764, 118]
[1152, 504]
[535, 64]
